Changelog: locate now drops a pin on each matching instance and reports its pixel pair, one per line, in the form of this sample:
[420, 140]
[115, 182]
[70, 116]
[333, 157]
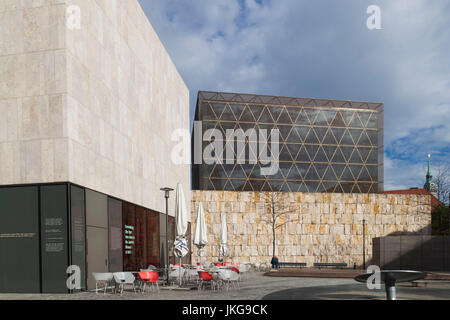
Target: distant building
[429, 184]
[324, 145]
[428, 189]
[418, 191]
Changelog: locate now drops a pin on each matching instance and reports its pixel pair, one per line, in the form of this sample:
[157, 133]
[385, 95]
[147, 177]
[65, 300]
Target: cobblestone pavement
[256, 287]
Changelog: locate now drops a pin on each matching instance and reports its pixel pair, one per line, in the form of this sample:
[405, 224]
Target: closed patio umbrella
[223, 238]
[180, 247]
[200, 233]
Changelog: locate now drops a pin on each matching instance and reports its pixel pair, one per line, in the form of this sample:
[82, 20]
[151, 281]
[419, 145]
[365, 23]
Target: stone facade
[92, 106]
[323, 227]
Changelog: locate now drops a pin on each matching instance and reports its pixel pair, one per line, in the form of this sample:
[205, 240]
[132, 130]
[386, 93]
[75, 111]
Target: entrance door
[97, 252]
[96, 234]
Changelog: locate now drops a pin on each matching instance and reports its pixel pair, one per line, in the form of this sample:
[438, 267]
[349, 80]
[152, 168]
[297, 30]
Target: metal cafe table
[391, 277]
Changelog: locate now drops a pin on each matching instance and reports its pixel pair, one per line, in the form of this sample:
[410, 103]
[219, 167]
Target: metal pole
[390, 290]
[167, 238]
[364, 244]
[166, 195]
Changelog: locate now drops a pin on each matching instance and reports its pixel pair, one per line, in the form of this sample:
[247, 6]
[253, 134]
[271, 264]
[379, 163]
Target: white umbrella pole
[179, 270]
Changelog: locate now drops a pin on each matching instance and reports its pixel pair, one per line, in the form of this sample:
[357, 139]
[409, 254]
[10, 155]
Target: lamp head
[166, 190]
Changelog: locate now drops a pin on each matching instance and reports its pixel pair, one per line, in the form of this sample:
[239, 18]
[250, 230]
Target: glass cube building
[324, 145]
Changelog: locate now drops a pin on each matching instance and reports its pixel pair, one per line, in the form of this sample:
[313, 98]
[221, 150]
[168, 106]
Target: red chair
[235, 269]
[219, 265]
[205, 278]
[149, 277]
[177, 265]
[227, 263]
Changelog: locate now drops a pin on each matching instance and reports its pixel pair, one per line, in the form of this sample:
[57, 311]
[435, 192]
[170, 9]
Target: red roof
[434, 201]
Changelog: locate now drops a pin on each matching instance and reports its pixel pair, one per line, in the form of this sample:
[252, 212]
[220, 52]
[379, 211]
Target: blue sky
[323, 49]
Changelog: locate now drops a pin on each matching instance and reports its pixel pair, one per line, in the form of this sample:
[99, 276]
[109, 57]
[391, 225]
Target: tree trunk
[273, 230]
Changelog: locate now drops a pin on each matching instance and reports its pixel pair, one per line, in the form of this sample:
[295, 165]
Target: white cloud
[323, 49]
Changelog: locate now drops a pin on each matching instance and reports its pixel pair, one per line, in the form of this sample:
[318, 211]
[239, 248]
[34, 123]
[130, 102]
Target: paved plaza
[259, 287]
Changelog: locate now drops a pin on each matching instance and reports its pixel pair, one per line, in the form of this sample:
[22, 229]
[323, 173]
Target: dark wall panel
[153, 249]
[78, 231]
[162, 237]
[115, 235]
[54, 240]
[19, 240]
[425, 253]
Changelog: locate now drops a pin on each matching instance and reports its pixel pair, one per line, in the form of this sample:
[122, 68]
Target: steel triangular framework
[325, 145]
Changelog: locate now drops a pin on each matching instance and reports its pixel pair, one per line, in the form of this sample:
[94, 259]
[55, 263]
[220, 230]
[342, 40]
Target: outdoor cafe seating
[214, 276]
[119, 281]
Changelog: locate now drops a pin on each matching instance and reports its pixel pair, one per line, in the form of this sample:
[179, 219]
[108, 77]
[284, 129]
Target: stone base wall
[319, 227]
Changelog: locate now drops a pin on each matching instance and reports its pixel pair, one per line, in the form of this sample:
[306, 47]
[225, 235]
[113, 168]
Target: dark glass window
[153, 248]
[128, 227]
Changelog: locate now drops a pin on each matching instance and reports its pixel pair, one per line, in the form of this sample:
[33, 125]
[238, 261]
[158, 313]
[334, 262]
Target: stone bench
[340, 265]
[291, 264]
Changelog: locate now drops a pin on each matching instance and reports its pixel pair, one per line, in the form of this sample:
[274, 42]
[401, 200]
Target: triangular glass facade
[322, 149]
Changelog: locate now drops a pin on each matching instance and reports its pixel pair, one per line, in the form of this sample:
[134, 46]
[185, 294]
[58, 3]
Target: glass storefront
[46, 228]
[141, 238]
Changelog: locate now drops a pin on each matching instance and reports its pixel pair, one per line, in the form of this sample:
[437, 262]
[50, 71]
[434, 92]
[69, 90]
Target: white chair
[123, 278]
[224, 278]
[191, 275]
[102, 278]
[234, 279]
[242, 269]
[175, 273]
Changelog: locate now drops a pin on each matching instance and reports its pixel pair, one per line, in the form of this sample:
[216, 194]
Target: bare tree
[279, 213]
[441, 179]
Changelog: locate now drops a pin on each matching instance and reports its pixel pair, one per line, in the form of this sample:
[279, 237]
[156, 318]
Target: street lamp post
[364, 244]
[166, 195]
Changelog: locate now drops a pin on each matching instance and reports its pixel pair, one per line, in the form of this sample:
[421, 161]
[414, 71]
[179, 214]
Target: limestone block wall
[323, 227]
[95, 106]
[125, 98]
[33, 134]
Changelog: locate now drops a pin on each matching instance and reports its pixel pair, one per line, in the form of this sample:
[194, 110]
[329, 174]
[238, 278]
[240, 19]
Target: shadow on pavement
[357, 292]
